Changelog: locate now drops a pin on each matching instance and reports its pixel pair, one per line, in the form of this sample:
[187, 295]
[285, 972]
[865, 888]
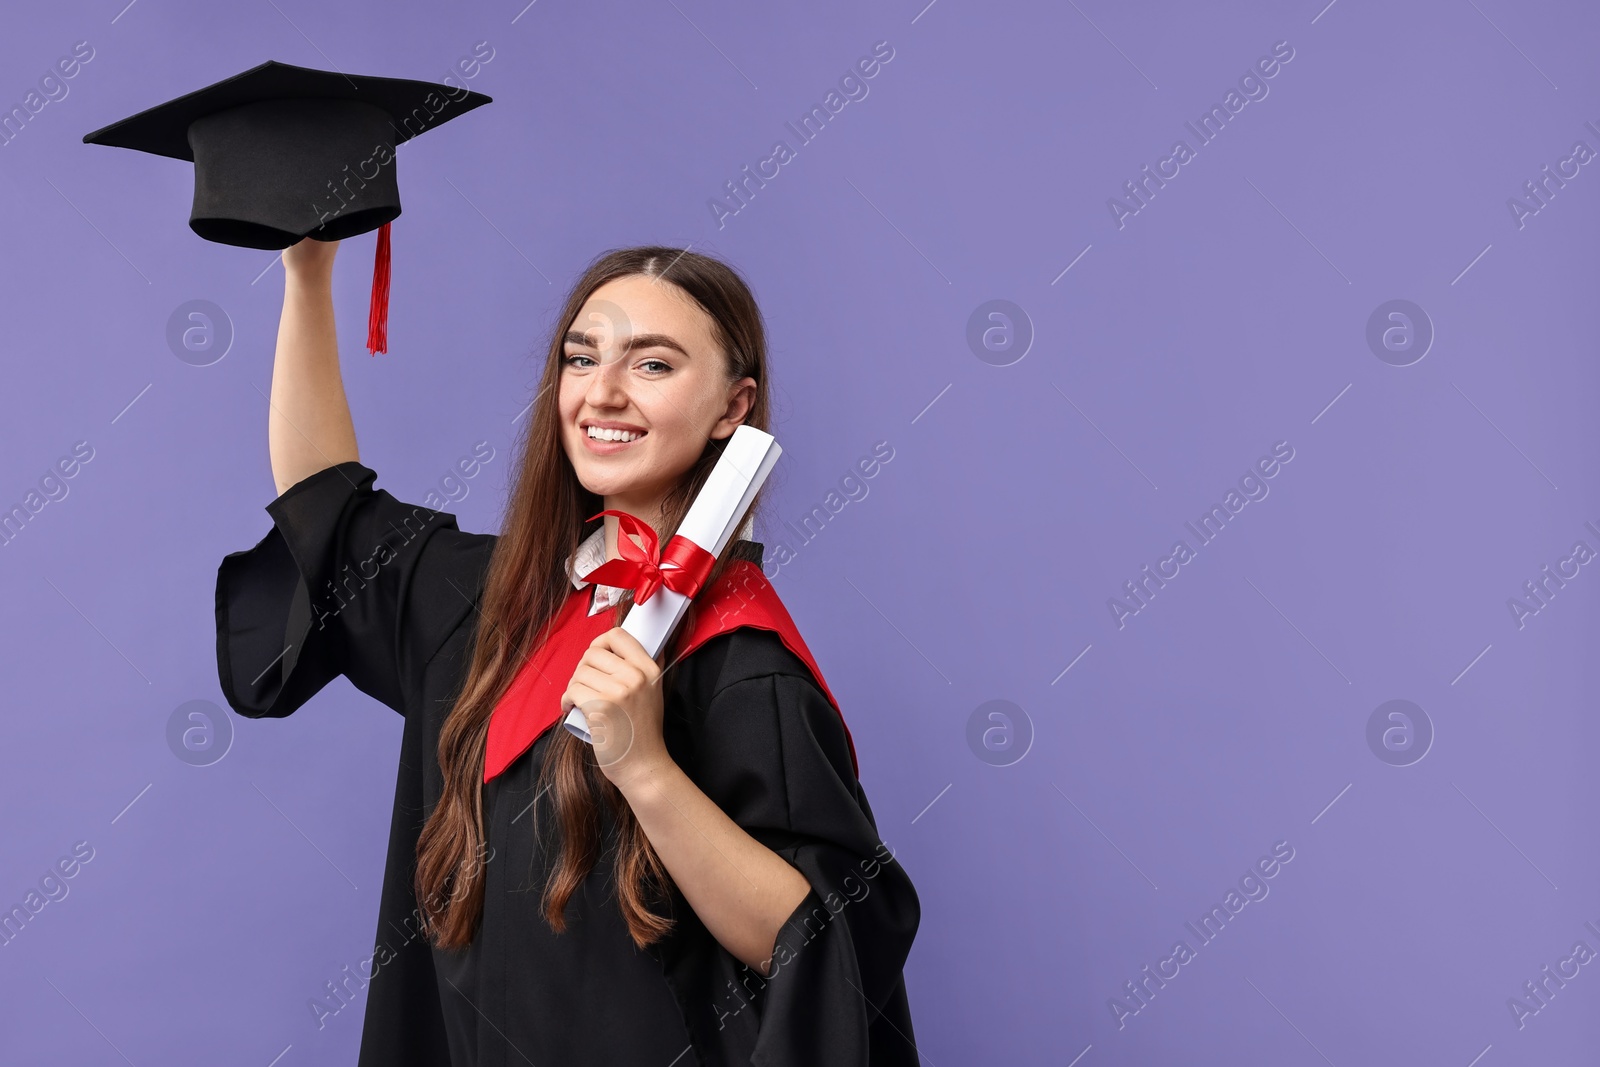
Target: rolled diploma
[747, 459]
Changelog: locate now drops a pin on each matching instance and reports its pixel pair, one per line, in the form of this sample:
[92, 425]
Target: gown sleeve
[349, 581]
[774, 756]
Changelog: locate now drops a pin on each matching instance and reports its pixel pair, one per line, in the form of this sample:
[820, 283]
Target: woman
[705, 885]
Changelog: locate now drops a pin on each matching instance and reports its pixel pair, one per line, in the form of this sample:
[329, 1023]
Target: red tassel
[378, 313]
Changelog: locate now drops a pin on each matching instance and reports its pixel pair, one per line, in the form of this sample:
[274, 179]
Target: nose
[608, 384]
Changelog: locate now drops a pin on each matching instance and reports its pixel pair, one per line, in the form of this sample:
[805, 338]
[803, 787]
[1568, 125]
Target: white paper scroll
[747, 459]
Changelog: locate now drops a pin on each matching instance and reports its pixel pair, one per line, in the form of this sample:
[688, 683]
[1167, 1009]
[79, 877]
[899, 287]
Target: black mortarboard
[283, 152]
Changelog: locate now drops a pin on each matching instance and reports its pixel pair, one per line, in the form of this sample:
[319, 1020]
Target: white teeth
[598, 434]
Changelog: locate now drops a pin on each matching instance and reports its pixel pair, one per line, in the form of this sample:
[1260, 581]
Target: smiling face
[641, 366]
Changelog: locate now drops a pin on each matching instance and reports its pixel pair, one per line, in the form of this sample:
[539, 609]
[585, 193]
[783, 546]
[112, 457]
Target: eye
[568, 359]
[663, 364]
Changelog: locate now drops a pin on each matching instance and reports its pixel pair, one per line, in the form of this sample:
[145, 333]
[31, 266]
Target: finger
[621, 641]
[593, 682]
[576, 693]
[635, 667]
[598, 685]
[616, 668]
[604, 660]
[625, 645]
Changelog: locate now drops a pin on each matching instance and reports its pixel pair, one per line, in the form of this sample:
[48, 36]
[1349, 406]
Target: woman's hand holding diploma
[618, 687]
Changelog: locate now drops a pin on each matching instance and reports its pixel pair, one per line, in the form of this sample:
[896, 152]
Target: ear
[741, 398]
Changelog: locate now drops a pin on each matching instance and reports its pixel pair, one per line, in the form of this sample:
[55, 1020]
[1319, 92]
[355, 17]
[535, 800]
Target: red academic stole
[743, 597]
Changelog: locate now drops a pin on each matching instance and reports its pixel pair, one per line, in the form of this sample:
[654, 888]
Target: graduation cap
[282, 152]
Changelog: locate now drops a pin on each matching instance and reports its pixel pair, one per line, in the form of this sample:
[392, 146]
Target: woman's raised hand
[308, 421]
[309, 254]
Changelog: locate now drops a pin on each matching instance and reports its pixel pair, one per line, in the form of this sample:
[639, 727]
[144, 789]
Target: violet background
[1228, 315]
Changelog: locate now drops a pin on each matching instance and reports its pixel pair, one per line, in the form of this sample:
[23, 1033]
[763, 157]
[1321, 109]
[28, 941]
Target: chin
[606, 484]
[599, 486]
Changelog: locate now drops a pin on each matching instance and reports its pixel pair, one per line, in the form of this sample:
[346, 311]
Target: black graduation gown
[745, 720]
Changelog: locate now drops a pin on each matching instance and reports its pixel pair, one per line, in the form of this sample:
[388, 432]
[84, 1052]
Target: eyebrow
[642, 340]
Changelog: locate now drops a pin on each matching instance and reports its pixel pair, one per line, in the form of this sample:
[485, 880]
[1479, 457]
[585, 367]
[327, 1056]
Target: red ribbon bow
[641, 569]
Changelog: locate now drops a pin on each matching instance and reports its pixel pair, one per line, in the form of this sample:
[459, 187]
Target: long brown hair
[526, 585]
